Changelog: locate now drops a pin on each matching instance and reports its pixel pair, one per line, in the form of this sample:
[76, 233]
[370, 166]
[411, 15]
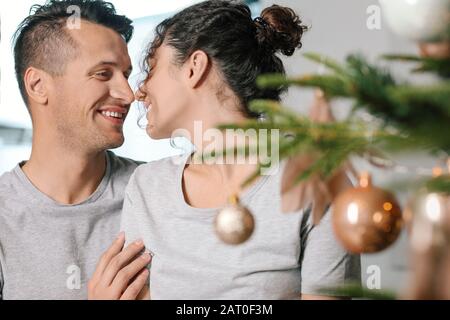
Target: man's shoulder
[122, 165]
[10, 186]
[7, 180]
[124, 160]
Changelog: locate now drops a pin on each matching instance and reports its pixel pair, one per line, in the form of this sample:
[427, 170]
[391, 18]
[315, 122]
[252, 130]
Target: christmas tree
[405, 116]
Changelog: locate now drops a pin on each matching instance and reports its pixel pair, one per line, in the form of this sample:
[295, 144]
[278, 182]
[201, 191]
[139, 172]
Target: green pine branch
[439, 184]
[411, 109]
[412, 117]
[427, 64]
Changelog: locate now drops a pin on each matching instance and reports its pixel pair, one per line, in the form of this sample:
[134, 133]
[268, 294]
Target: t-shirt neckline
[244, 198]
[44, 198]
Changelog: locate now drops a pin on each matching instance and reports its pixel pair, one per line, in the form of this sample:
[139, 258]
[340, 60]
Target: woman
[203, 65]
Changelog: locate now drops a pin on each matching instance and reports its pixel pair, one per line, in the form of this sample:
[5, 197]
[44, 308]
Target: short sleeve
[325, 263]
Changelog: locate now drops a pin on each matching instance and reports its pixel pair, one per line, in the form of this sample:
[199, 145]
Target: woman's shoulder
[159, 171]
[167, 163]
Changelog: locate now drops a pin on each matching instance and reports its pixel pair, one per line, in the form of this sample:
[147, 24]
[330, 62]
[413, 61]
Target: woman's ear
[36, 82]
[198, 67]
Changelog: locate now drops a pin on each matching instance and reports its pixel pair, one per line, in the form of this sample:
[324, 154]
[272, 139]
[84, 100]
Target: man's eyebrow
[111, 63]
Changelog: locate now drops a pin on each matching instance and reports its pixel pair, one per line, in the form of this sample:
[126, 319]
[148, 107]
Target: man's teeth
[112, 114]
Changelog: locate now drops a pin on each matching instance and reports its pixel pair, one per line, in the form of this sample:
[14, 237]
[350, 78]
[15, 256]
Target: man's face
[89, 103]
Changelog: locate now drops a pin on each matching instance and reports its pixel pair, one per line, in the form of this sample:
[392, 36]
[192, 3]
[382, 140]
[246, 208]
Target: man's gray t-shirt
[286, 256]
[49, 250]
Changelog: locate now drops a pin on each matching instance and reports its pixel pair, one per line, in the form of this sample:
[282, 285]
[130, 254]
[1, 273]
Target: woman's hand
[120, 274]
[315, 190]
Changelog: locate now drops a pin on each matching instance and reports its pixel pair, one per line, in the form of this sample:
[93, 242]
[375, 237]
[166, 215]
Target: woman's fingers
[112, 251]
[128, 273]
[135, 288]
[120, 271]
[119, 261]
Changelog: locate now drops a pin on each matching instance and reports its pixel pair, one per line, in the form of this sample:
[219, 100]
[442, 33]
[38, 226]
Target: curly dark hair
[42, 41]
[241, 47]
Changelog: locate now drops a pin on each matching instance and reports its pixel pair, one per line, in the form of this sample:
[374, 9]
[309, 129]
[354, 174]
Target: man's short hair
[42, 40]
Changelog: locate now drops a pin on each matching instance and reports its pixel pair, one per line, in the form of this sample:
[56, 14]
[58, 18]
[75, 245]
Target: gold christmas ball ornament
[234, 224]
[366, 219]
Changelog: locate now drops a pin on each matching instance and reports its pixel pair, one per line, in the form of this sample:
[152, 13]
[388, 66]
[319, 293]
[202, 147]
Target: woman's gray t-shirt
[285, 257]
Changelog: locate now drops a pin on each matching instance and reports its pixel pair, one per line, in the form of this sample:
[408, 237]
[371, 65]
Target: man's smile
[114, 114]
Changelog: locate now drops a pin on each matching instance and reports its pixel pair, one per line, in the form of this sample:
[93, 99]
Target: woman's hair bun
[280, 29]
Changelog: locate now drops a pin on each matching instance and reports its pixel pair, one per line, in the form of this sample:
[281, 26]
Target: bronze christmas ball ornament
[234, 224]
[366, 219]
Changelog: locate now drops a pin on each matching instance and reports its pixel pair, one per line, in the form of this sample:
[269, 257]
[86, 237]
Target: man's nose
[123, 92]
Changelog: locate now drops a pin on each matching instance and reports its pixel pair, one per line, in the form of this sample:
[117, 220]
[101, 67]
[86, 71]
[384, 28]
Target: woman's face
[166, 95]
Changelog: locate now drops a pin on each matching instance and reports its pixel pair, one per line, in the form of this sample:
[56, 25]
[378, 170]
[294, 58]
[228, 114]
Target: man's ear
[36, 82]
[198, 67]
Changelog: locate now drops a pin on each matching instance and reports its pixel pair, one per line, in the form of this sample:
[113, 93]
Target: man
[60, 210]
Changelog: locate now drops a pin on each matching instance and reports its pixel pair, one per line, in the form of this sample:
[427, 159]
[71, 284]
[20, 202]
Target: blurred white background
[14, 119]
